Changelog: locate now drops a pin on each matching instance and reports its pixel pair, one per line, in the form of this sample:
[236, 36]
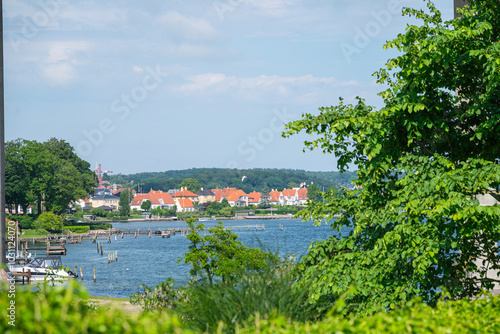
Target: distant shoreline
[139, 220]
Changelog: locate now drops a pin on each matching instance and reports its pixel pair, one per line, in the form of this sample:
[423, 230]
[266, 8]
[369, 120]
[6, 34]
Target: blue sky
[174, 84]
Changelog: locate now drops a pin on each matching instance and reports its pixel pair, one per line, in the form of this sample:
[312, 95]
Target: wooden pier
[59, 249]
[23, 275]
[97, 235]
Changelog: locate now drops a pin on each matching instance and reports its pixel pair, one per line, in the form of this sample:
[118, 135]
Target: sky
[156, 85]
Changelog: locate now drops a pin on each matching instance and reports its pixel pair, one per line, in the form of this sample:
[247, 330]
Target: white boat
[43, 269]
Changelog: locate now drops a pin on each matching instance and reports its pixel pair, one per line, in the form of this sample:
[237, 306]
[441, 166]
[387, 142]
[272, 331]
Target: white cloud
[302, 89]
[81, 18]
[60, 68]
[187, 28]
[59, 74]
[137, 69]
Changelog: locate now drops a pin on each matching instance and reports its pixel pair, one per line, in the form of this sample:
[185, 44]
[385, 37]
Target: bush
[104, 226]
[49, 221]
[162, 296]
[25, 221]
[77, 229]
[459, 316]
[235, 304]
[99, 212]
[64, 309]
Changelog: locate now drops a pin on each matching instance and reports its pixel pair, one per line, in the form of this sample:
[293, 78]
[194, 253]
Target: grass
[33, 233]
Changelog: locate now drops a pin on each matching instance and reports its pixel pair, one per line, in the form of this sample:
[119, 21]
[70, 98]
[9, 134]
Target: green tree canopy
[126, 197]
[423, 159]
[49, 221]
[146, 205]
[49, 173]
[191, 184]
[220, 254]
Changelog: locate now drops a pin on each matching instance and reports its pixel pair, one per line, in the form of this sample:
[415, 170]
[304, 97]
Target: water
[152, 260]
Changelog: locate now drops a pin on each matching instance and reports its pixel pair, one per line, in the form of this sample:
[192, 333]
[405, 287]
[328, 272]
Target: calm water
[152, 260]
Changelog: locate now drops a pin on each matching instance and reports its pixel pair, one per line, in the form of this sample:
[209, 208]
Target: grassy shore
[106, 303]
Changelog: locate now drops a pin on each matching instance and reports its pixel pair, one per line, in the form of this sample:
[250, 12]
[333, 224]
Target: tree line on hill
[248, 179]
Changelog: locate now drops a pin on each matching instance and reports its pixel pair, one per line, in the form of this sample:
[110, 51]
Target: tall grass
[235, 304]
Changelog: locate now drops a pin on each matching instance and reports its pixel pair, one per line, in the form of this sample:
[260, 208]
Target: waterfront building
[205, 196]
[158, 199]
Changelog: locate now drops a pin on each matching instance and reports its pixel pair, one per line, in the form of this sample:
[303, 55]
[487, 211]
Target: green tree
[146, 205]
[49, 173]
[423, 159]
[72, 179]
[191, 184]
[213, 208]
[16, 177]
[126, 197]
[220, 254]
[49, 221]
[172, 211]
[313, 194]
[226, 212]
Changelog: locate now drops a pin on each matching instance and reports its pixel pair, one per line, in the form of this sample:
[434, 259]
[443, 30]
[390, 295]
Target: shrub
[64, 309]
[104, 226]
[236, 303]
[49, 221]
[162, 296]
[25, 221]
[459, 316]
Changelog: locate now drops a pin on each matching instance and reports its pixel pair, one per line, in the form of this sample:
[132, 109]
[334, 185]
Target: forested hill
[255, 180]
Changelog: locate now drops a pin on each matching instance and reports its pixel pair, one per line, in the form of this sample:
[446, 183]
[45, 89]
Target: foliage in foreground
[64, 309]
[162, 296]
[220, 255]
[423, 159]
[267, 293]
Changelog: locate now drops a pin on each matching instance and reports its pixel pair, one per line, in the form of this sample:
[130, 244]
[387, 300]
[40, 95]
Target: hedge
[64, 309]
[460, 316]
[77, 229]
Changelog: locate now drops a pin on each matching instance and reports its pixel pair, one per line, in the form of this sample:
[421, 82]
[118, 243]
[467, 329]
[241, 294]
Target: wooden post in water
[81, 273]
[94, 274]
[76, 271]
[97, 247]
[101, 250]
[116, 256]
[108, 257]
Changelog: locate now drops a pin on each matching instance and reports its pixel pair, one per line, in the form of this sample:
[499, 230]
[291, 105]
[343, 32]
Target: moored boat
[43, 268]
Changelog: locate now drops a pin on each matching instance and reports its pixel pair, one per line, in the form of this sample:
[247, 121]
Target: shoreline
[169, 219]
[73, 236]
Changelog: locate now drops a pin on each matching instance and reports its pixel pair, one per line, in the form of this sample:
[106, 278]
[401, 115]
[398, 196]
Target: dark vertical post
[3, 250]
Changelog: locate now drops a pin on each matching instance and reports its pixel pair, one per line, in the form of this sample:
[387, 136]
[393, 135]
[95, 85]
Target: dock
[59, 249]
[23, 275]
[96, 235]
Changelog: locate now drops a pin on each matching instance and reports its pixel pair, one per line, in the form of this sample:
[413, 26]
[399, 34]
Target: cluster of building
[187, 201]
